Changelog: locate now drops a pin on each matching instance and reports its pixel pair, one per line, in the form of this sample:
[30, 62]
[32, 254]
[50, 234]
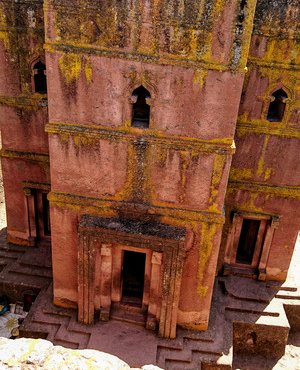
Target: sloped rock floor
[252, 323]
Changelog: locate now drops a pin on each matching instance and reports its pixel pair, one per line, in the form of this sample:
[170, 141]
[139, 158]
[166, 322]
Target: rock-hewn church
[155, 143]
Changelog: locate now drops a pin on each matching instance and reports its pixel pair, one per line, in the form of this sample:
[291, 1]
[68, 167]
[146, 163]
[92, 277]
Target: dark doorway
[247, 241]
[42, 215]
[46, 214]
[133, 277]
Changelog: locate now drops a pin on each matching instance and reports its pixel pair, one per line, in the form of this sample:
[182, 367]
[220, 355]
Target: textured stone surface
[30, 354]
[202, 62]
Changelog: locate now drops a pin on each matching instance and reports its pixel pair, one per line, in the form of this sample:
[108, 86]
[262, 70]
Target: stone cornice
[36, 185]
[220, 146]
[278, 191]
[29, 156]
[269, 64]
[29, 2]
[52, 47]
[97, 205]
[35, 101]
[268, 129]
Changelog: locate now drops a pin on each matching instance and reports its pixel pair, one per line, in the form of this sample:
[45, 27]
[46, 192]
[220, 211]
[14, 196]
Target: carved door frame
[95, 241]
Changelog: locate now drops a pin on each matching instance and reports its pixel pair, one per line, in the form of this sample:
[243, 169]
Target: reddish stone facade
[156, 117]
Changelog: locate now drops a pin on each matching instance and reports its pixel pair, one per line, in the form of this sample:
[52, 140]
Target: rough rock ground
[235, 300]
[33, 354]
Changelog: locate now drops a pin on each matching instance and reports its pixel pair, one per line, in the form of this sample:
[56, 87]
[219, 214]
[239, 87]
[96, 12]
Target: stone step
[249, 311]
[58, 311]
[74, 338]
[245, 304]
[40, 257]
[128, 316]
[46, 331]
[78, 327]
[271, 314]
[165, 355]
[204, 347]
[41, 317]
[203, 336]
[11, 253]
[30, 270]
[13, 276]
[180, 365]
[66, 344]
[216, 366]
[7, 260]
[288, 295]
[248, 289]
[281, 288]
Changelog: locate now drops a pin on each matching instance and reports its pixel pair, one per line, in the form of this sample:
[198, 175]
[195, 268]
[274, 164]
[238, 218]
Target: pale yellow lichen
[70, 66]
[208, 233]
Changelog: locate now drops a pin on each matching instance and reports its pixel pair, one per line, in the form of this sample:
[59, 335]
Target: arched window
[277, 106]
[40, 83]
[141, 108]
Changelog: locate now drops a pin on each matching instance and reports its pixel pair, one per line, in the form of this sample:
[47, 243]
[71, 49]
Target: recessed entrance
[133, 273]
[247, 242]
[42, 214]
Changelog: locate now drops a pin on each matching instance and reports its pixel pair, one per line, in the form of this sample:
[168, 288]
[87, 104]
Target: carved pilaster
[154, 299]
[106, 281]
[266, 248]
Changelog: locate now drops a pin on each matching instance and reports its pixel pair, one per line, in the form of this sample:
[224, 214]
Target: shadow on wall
[2, 196]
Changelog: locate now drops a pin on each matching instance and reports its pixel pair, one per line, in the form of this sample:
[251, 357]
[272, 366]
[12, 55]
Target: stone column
[172, 274]
[266, 248]
[86, 268]
[232, 242]
[106, 281]
[29, 199]
[154, 299]
[116, 293]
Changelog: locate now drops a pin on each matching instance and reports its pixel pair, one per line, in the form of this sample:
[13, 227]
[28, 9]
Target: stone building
[159, 139]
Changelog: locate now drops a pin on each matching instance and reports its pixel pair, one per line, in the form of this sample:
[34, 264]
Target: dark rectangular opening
[133, 276]
[46, 214]
[247, 242]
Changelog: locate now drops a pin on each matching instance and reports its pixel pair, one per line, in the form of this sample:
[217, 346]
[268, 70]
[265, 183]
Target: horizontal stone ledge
[160, 59]
[30, 156]
[292, 192]
[113, 205]
[259, 128]
[34, 101]
[217, 145]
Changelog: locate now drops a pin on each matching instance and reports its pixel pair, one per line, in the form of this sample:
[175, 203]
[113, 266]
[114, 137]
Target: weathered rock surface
[31, 354]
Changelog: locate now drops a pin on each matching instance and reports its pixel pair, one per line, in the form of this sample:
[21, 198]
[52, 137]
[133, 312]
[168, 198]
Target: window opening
[141, 109]
[40, 82]
[277, 106]
[36, 212]
[46, 214]
[247, 242]
[28, 298]
[133, 277]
